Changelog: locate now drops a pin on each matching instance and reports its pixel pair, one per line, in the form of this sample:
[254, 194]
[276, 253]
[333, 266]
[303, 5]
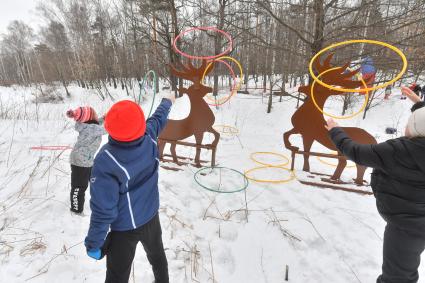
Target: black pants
[79, 182]
[122, 247]
[402, 256]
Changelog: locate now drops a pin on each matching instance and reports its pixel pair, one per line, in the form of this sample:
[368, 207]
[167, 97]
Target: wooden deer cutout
[199, 121]
[309, 122]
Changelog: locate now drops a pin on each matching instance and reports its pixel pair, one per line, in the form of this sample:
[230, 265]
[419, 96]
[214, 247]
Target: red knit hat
[81, 114]
[125, 121]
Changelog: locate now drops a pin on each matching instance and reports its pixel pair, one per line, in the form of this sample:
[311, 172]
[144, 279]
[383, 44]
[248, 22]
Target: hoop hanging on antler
[366, 89]
[228, 50]
[236, 88]
[225, 99]
[355, 90]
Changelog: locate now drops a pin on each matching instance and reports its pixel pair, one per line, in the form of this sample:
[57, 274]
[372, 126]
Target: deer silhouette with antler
[309, 122]
[200, 119]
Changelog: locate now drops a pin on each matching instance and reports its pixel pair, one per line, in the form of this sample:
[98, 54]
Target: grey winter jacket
[88, 142]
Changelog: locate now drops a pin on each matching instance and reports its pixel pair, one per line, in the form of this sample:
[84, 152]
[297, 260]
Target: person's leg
[85, 179]
[79, 182]
[402, 255]
[119, 255]
[75, 187]
[151, 239]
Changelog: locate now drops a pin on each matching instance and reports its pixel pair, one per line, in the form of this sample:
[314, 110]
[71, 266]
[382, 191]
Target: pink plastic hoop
[51, 147]
[228, 50]
[232, 93]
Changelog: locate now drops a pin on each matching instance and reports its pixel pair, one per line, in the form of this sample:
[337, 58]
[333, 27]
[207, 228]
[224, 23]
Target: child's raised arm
[157, 122]
[370, 155]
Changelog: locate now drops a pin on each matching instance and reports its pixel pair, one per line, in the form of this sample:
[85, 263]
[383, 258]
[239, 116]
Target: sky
[18, 10]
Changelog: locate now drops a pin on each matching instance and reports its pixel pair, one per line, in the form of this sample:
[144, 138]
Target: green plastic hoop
[246, 182]
[142, 87]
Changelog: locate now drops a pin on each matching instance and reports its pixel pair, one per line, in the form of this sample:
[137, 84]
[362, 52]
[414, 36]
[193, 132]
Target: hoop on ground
[232, 131]
[236, 88]
[228, 50]
[51, 147]
[286, 159]
[367, 89]
[197, 173]
[331, 164]
[291, 175]
[340, 117]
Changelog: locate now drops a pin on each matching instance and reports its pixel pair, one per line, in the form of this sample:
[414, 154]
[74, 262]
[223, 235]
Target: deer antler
[178, 73]
[190, 66]
[204, 65]
[326, 64]
[190, 72]
[339, 76]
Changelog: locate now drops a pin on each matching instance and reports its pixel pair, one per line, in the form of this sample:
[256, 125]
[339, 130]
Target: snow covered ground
[322, 235]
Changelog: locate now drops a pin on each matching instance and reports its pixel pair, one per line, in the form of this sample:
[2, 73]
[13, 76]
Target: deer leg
[307, 146]
[339, 168]
[174, 153]
[216, 136]
[286, 141]
[214, 144]
[161, 146]
[198, 138]
[360, 173]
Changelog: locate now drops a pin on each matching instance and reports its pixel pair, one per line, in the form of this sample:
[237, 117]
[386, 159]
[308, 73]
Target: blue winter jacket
[124, 182]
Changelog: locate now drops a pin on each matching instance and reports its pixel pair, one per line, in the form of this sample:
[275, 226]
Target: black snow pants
[79, 182]
[402, 255]
[121, 247]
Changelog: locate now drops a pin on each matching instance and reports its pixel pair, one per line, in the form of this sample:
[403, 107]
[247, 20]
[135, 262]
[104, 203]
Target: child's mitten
[96, 254]
[70, 114]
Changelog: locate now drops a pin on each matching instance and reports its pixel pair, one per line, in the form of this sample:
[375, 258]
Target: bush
[50, 94]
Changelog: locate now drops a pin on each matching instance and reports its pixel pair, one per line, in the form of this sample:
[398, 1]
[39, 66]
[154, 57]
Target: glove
[70, 113]
[99, 253]
[96, 254]
[170, 96]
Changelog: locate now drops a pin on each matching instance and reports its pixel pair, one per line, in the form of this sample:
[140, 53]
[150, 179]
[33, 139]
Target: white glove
[170, 96]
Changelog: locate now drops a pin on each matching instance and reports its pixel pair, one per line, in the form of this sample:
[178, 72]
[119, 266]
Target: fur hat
[416, 123]
[82, 114]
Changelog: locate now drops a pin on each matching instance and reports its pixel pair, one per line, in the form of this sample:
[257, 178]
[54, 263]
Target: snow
[322, 235]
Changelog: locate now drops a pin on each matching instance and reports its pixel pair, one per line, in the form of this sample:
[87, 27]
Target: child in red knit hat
[90, 133]
[124, 192]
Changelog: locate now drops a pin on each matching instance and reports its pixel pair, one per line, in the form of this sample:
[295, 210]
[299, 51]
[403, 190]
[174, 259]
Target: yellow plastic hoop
[339, 117]
[291, 177]
[252, 156]
[393, 48]
[238, 86]
[233, 131]
[333, 165]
